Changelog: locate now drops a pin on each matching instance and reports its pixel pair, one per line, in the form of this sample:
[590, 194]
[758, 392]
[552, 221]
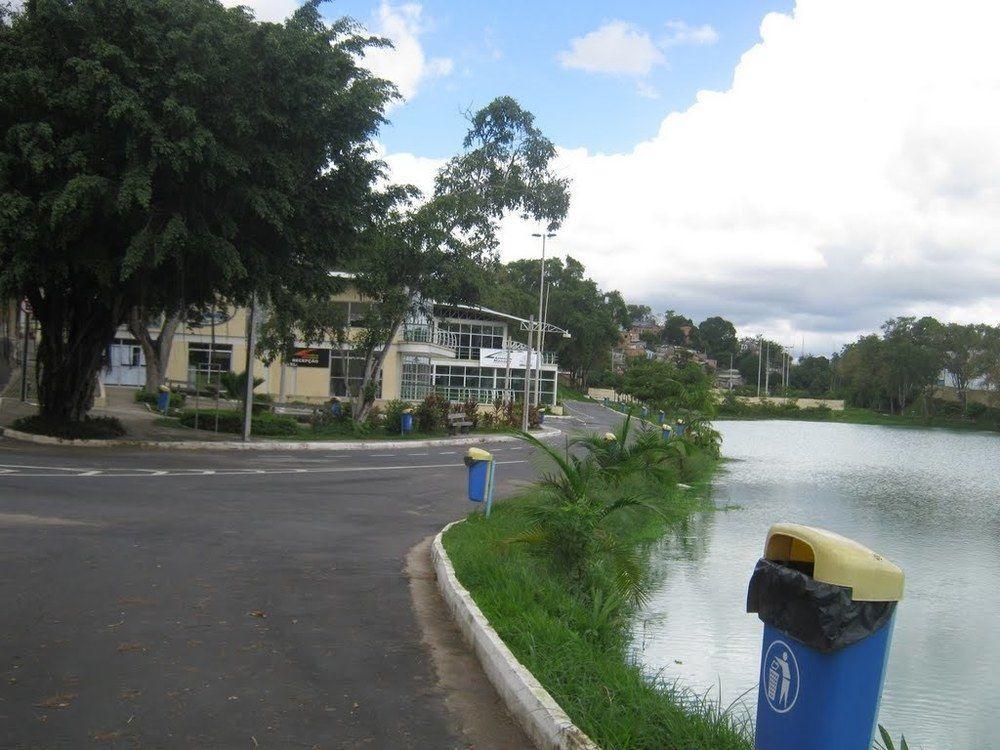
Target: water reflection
[927, 499]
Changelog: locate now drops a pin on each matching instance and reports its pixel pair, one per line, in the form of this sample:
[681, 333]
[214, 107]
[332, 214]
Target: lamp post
[541, 312]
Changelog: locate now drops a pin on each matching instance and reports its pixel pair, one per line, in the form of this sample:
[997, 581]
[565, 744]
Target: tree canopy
[156, 151]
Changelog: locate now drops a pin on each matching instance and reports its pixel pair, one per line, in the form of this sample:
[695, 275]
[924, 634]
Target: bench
[458, 422]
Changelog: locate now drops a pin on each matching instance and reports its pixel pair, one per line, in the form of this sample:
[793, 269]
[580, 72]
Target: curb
[536, 711]
[230, 445]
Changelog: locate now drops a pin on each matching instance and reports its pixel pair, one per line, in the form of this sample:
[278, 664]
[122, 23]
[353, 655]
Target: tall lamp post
[541, 313]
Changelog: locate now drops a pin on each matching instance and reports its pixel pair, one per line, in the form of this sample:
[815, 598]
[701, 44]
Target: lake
[928, 500]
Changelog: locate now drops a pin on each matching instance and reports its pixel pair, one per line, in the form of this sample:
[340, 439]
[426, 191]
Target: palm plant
[570, 527]
[887, 741]
[645, 453]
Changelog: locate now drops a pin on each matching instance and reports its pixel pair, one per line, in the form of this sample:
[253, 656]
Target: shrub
[432, 413]
[231, 420]
[394, 416]
[142, 396]
[88, 428]
[235, 385]
[471, 410]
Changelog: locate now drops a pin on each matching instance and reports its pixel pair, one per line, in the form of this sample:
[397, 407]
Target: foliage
[142, 396]
[471, 411]
[664, 385]
[235, 385]
[432, 413]
[887, 741]
[89, 428]
[680, 331]
[157, 151]
[231, 420]
[394, 416]
[571, 526]
[575, 303]
[635, 451]
[718, 336]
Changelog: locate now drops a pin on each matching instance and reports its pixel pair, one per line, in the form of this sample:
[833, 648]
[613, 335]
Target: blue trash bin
[665, 431]
[163, 401]
[828, 605]
[481, 476]
[336, 409]
[679, 430]
[663, 416]
[645, 412]
[541, 416]
[407, 421]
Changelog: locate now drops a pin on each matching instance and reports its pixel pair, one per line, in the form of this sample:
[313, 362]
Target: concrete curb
[315, 445]
[536, 711]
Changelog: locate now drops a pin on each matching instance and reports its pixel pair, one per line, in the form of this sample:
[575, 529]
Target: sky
[805, 168]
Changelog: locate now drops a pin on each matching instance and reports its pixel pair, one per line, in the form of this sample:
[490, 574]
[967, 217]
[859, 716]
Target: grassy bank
[854, 415]
[573, 630]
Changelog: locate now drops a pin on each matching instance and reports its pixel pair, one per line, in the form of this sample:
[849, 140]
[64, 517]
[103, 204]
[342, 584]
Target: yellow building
[457, 351]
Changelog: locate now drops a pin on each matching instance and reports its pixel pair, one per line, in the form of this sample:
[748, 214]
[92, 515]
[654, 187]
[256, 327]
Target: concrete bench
[458, 422]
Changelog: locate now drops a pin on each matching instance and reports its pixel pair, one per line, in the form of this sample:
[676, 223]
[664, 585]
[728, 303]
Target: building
[728, 379]
[457, 351]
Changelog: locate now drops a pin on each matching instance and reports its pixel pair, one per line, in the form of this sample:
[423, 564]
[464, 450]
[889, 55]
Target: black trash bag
[820, 615]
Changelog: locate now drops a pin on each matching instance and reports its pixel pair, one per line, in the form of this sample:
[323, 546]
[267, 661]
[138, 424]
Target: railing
[423, 334]
[413, 392]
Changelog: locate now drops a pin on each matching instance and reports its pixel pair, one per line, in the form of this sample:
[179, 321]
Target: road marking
[384, 455]
[197, 473]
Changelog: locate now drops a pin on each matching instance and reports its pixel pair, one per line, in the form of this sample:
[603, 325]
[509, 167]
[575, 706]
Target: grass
[855, 415]
[579, 649]
[567, 393]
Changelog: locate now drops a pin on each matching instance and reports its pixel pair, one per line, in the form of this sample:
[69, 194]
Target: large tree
[718, 336]
[157, 154]
[967, 352]
[442, 248]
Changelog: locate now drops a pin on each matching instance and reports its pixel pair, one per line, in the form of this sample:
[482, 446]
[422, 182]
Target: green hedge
[88, 428]
[142, 396]
[230, 420]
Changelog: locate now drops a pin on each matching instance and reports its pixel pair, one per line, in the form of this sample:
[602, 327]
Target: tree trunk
[75, 337]
[373, 364]
[156, 351]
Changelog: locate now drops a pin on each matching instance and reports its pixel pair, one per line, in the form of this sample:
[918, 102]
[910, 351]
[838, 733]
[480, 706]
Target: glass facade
[474, 335]
[459, 382]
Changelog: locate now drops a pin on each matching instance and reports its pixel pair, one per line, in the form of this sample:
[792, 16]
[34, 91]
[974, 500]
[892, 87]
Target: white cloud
[680, 32]
[646, 90]
[616, 47]
[405, 64]
[849, 174]
[267, 10]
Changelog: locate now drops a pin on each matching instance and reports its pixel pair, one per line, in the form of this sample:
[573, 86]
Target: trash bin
[605, 402]
[827, 604]
[663, 416]
[644, 412]
[481, 476]
[406, 422]
[336, 408]
[541, 416]
[610, 437]
[163, 399]
[680, 428]
[665, 431]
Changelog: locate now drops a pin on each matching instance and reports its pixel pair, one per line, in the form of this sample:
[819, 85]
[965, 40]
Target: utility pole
[760, 361]
[541, 307]
[541, 348]
[24, 355]
[527, 377]
[767, 371]
[251, 345]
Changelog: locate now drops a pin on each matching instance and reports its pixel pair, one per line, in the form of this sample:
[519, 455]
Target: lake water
[928, 500]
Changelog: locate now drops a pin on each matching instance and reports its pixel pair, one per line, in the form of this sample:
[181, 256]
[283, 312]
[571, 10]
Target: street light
[541, 321]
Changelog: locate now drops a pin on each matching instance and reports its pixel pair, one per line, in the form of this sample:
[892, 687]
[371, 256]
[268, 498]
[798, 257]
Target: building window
[202, 354]
[458, 382]
[417, 378]
[346, 374]
[474, 336]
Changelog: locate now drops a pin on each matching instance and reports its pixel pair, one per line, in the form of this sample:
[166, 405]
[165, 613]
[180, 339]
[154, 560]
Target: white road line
[418, 454]
[384, 455]
[93, 473]
[197, 473]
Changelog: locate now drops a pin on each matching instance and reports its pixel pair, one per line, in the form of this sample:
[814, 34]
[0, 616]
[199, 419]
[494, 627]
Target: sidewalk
[142, 431]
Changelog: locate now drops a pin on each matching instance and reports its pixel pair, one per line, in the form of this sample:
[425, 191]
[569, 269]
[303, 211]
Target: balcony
[422, 340]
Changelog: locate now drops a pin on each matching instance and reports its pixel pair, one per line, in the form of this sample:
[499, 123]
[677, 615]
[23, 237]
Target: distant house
[728, 378]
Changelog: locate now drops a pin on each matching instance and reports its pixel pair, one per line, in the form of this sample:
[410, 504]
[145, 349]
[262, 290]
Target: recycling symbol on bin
[781, 677]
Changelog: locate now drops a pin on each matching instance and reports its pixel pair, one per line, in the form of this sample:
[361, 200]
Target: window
[346, 371]
[474, 336]
[201, 354]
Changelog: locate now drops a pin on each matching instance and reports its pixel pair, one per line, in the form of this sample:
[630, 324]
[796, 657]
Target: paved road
[223, 600]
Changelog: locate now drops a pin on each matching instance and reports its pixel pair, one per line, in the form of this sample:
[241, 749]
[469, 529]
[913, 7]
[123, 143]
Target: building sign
[516, 359]
[310, 357]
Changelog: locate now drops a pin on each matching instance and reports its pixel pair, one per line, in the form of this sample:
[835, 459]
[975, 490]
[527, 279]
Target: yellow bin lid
[837, 560]
[478, 454]
[609, 436]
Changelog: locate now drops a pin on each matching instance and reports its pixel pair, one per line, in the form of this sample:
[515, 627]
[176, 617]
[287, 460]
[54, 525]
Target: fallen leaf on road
[62, 700]
[126, 647]
[256, 613]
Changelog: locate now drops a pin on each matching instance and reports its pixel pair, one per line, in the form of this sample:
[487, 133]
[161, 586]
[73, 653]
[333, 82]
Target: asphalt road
[224, 599]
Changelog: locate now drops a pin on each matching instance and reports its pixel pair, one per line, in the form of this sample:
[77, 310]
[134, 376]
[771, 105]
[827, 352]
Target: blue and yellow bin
[481, 476]
[666, 431]
[828, 606]
[406, 421]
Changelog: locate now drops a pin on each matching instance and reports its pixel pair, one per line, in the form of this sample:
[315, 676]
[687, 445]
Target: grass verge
[577, 647]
